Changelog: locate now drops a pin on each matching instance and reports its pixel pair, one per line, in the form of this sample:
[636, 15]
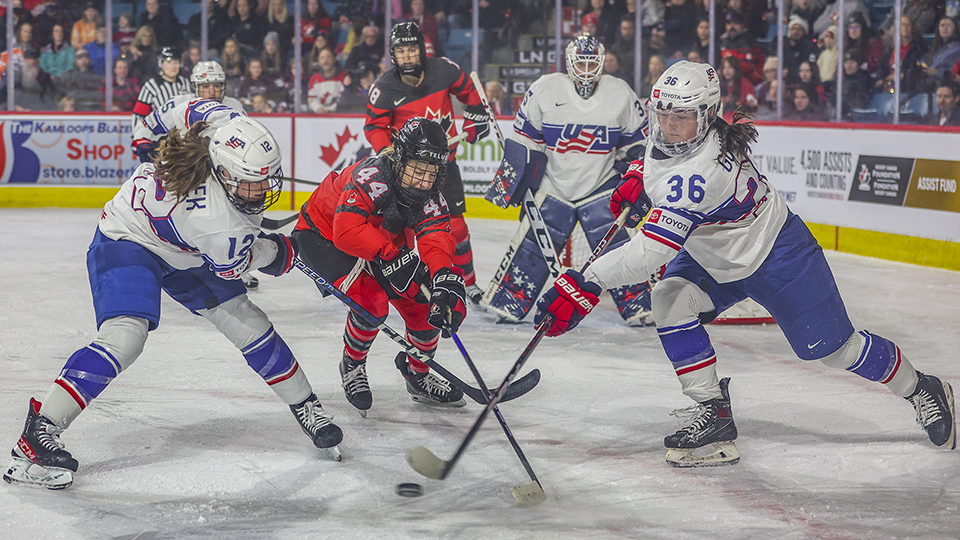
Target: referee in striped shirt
[160, 88]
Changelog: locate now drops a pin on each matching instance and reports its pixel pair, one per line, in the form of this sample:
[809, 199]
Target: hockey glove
[569, 301]
[630, 191]
[476, 124]
[401, 274]
[146, 151]
[447, 302]
[287, 250]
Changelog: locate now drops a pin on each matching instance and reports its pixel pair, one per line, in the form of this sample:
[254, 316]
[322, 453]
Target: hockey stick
[274, 224]
[522, 386]
[486, 106]
[426, 462]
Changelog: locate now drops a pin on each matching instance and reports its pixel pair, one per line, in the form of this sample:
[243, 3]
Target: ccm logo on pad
[670, 221]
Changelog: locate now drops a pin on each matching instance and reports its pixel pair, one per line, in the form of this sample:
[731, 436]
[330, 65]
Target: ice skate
[474, 293]
[355, 384]
[933, 401]
[251, 282]
[428, 388]
[713, 425]
[39, 458]
[318, 425]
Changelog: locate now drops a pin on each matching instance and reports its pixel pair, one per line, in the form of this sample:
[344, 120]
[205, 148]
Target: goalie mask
[246, 160]
[585, 64]
[208, 73]
[420, 153]
[408, 34]
[683, 105]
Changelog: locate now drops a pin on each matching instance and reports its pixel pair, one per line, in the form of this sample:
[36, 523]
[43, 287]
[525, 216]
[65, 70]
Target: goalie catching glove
[447, 302]
[287, 250]
[569, 301]
[630, 191]
[401, 274]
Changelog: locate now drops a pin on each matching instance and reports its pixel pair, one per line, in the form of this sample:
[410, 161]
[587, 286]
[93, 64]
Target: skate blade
[333, 452]
[362, 413]
[435, 403]
[725, 453]
[27, 473]
[529, 494]
[951, 443]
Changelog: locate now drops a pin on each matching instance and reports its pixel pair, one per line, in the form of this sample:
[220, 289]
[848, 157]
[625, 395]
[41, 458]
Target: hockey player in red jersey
[418, 86]
[358, 231]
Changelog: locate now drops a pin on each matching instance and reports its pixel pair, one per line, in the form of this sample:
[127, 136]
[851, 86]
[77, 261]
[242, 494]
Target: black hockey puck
[409, 490]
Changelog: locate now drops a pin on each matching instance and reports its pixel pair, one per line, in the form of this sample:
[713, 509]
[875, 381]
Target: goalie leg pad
[520, 169]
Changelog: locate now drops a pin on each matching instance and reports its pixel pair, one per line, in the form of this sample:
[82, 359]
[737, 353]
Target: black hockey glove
[146, 151]
[476, 123]
[401, 275]
[287, 250]
[447, 302]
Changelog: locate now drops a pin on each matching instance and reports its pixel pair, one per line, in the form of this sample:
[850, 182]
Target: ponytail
[736, 137]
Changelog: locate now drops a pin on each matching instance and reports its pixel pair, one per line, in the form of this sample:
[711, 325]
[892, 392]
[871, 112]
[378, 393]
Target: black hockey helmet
[168, 53]
[407, 33]
[424, 142]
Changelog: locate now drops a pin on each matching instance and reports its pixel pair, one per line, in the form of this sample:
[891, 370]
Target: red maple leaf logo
[330, 153]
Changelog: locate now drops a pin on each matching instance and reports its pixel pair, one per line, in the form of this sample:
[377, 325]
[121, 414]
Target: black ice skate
[933, 401]
[428, 388]
[39, 459]
[355, 384]
[712, 424]
[318, 425]
[251, 282]
[474, 293]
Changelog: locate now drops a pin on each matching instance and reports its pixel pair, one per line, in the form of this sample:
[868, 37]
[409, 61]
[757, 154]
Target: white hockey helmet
[585, 64]
[244, 151]
[208, 72]
[685, 87]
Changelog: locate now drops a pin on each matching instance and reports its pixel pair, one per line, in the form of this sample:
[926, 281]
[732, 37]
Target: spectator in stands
[164, 23]
[144, 54]
[66, 104]
[271, 59]
[125, 33]
[26, 37]
[589, 24]
[259, 7]
[752, 16]
[806, 105]
[326, 84]
[248, 29]
[608, 18]
[233, 64]
[653, 12]
[370, 49]
[797, 48]
[33, 88]
[948, 111]
[98, 50]
[944, 54]
[857, 84]
[770, 66]
[736, 92]
[922, 13]
[125, 88]
[320, 42]
[280, 20]
[830, 16]
[808, 10]
[701, 45]
[428, 24]
[655, 67]
[219, 27]
[860, 37]
[58, 56]
[624, 47]
[82, 84]
[256, 81]
[680, 23]
[85, 30]
[357, 87]
[912, 52]
[499, 100]
[738, 43]
[829, 55]
[809, 74]
[260, 104]
[48, 14]
[314, 20]
[768, 103]
[694, 56]
[611, 66]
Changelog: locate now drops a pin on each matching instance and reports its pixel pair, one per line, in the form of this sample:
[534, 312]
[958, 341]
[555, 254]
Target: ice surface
[189, 443]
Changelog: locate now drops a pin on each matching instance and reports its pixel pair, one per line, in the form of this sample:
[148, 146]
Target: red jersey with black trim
[393, 102]
[348, 209]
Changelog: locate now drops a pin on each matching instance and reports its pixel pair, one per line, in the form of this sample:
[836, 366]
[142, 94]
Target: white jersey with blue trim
[723, 212]
[183, 111]
[581, 137]
[203, 228]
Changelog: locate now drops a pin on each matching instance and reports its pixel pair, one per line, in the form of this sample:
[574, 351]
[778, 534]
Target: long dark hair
[183, 160]
[737, 136]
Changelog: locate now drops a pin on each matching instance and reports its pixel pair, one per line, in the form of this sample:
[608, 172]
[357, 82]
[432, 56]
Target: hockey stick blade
[274, 224]
[529, 494]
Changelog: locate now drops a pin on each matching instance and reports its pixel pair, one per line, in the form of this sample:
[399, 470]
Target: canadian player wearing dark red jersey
[358, 231]
[418, 86]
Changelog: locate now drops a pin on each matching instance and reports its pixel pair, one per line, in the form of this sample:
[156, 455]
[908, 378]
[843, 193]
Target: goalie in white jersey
[720, 233]
[188, 226]
[569, 134]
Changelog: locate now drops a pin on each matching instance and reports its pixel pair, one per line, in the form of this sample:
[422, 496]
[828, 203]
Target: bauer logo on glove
[569, 300]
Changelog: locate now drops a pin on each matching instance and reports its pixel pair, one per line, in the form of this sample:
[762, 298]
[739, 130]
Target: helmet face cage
[208, 72]
[244, 155]
[585, 56]
[419, 149]
[685, 87]
[407, 33]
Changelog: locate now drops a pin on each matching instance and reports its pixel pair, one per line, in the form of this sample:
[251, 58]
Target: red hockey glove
[448, 301]
[475, 124]
[630, 191]
[569, 301]
[286, 252]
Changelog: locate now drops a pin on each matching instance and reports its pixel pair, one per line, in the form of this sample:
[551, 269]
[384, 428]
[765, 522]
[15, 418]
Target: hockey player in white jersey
[720, 233]
[568, 136]
[189, 226]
